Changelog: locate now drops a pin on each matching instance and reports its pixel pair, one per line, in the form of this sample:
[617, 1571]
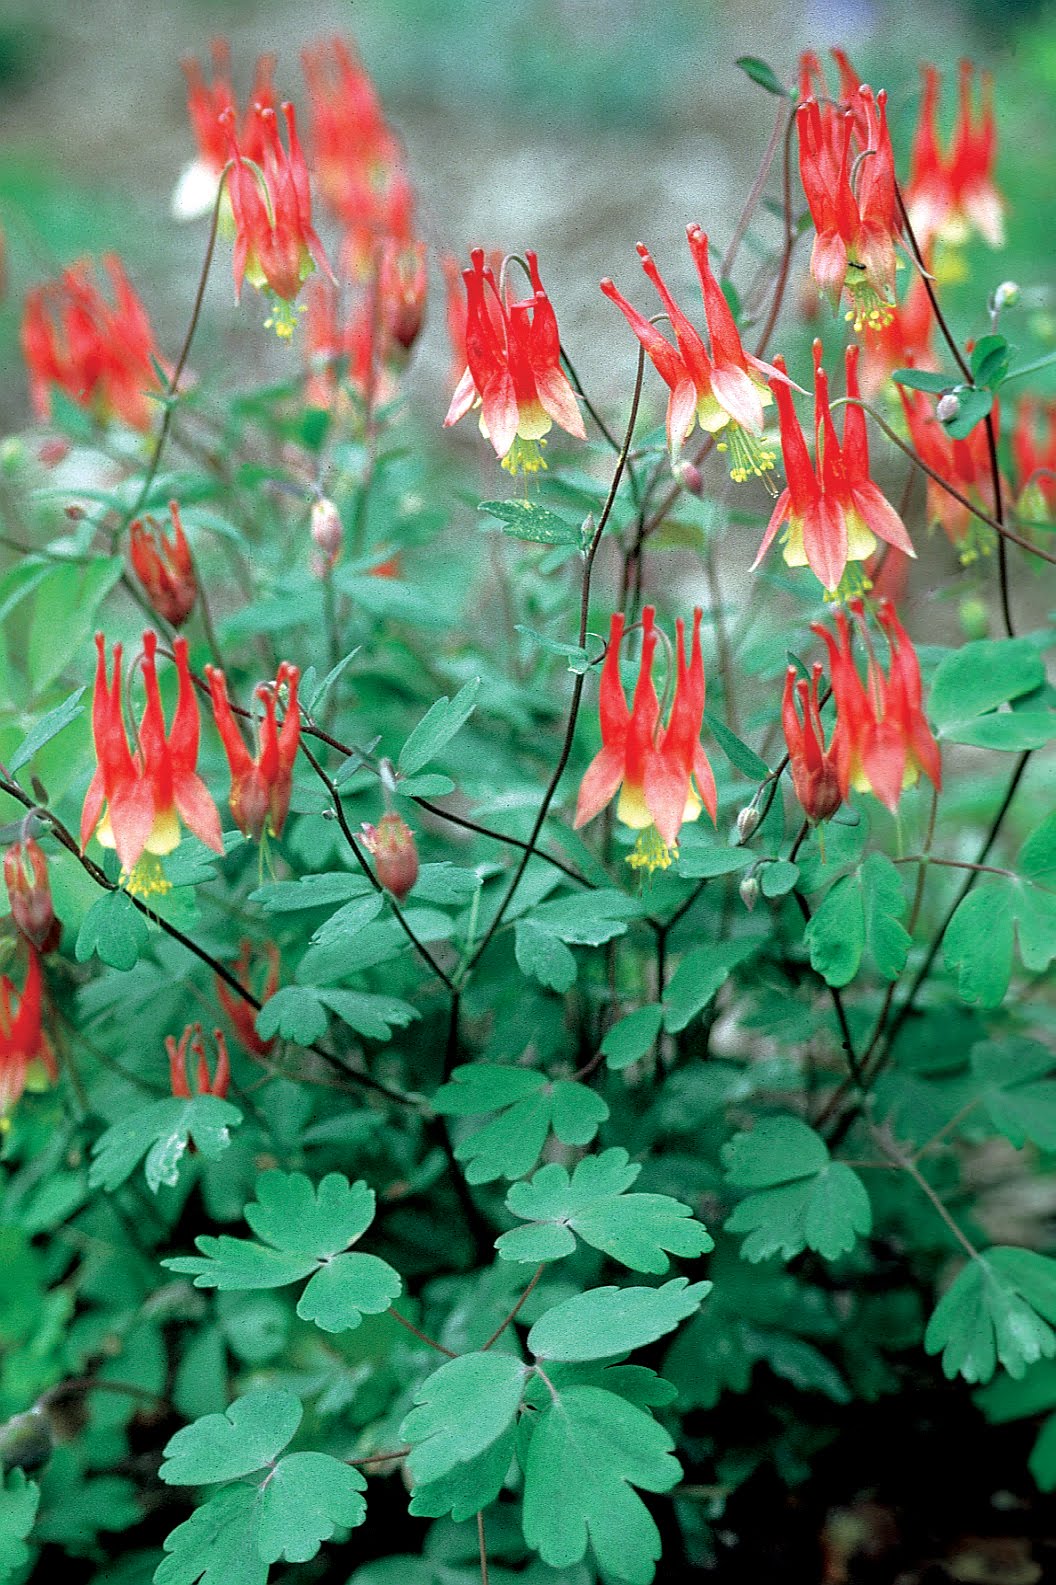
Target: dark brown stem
[494, 1338]
[423, 1337]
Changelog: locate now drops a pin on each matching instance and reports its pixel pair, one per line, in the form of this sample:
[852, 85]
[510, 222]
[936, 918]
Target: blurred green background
[574, 126]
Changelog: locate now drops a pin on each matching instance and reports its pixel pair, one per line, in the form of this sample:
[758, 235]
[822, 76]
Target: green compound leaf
[294, 1013]
[161, 1132]
[49, 726]
[461, 1410]
[633, 1037]
[311, 891]
[543, 956]
[528, 1104]
[607, 1321]
[527, 520]
[251, 1434]
[740, 756]
[635, 1229]
[1017, 1093]
[302, 1502]
[975, 679]
[437, 727]
[588, 1449]
[997, 1310]
[113, 929]
[861, 913]
[542, 938]
[699, 977]
[18, 1509]
[804, 1200]
[373, 1017]
[469, 1487]
[306, 1231]
[217, 1544]
[1001, 912]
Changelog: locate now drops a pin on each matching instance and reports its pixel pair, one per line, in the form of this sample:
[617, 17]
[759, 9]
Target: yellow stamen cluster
[979, 540]
[854, 585]
[868, 309]
[147, 878]
[283, 316]
[750, 456]
[651, 852]
[524, 456]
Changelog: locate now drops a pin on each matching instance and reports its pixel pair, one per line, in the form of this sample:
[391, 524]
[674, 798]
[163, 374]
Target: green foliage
[528, 1106]
[803, 1199]
[162, 1133]
[18, 1508]
[604, 1322]
[304, 1232]
[860, 915]
[997, 1310]
[1003, 912]
[638, 1230]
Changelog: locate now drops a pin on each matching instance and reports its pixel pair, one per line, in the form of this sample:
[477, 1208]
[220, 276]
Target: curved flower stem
[423, 1337]
[361, 860]
[789, 244]
[577, 689]
[181, 361]
[984, 517]
[632, 477]
[751, 203]
[494, 1338]
[221, 970]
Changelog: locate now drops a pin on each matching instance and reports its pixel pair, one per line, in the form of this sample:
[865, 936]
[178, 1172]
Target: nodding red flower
[1034, 455]
[905, 341]
[725, 391]
[164, 566]
[195, 192]
[357, 159]
[29, 893]
[243, 1014]
[23, 1042]
[135, 801]
[949, 196]
[260, 788]
[834, 511]
[276, 246]
[662, 773]
[101, 355]
[965, 464]
[401, 287]
[815, 768]
[392, 846]
[884, 738]
[847, 168]
[191, 1044]
[513, 353]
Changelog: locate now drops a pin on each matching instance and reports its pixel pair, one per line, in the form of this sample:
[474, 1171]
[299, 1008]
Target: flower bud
[29, 891]
[1006, 295]
[26, 1441]
[690, 477]
[947, 408]
[327, 530]
[747, 821]
[164, 567]
[749, 890]
[392, 843]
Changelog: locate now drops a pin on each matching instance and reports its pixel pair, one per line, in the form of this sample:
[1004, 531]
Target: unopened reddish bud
[164, 567]
[392, 843]
[691, 477]
[327, 529]
[749, 890]
[26, 874]
[53, 451]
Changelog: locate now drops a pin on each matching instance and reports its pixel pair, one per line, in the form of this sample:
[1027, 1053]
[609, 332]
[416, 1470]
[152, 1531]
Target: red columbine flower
[164, 566]
[885, 740]
[1034, 455]
[816, 773]
[191, 1044]
[847, 169]
[662, 773]
[23, 1042]
[965, 464]
[29, 893]
[905, 341]
[101, 355]
[195, 192]
[276, 247]
[721, 392]
[147, 793]
[243, 1014]
[950, 196]
[513, 353]
[832, 507]
[260, 788]
[395, 853]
